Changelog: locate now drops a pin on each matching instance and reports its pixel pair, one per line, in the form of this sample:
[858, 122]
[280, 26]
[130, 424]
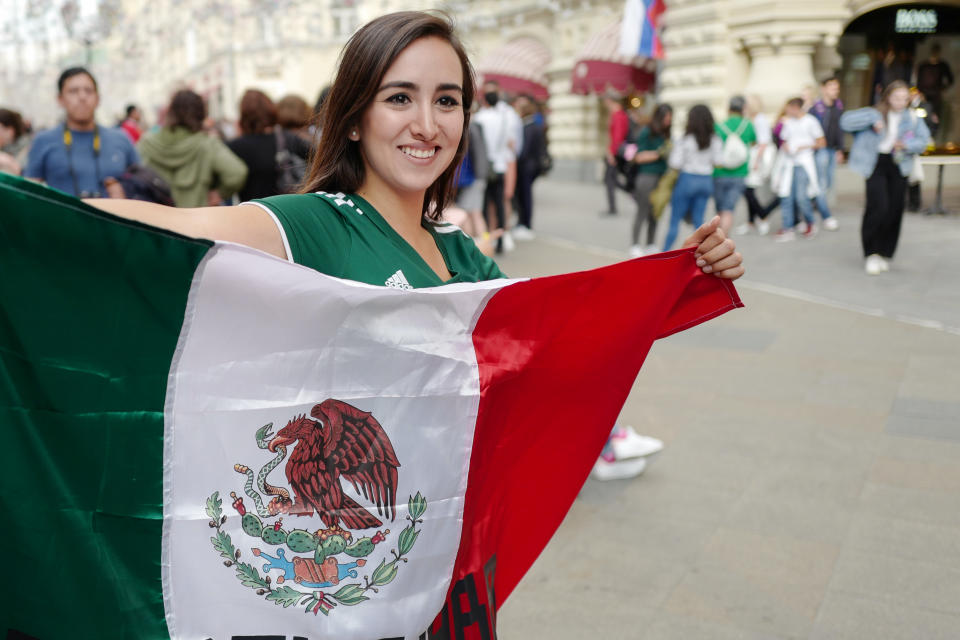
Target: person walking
[886, 141]
[762, 157]
[79, 156]
[796, 179]
[737, 135]
[694, 158]
[132, 123]
[529, 164]
[199, 168]
[827, 110]
[500, 137]
[472, 182]
[617, 129]
[261, 146]
[653, 143]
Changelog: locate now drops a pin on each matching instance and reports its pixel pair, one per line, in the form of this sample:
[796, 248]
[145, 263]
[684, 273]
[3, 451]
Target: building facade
[142, 51]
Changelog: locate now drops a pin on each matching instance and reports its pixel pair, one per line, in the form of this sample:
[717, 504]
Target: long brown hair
[884, 105]
[338, 163]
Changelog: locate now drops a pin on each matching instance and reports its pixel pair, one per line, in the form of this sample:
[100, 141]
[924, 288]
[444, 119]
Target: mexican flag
[204, 441]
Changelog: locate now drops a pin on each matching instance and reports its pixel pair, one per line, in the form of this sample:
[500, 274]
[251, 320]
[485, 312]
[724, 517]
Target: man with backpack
[737, 134]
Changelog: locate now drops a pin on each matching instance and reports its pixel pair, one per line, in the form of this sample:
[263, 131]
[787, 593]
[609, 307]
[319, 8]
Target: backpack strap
[743, 126]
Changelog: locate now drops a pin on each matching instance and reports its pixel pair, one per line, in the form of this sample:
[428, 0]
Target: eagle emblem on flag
[316, 569]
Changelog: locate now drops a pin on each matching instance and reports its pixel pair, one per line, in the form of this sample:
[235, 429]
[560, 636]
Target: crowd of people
[188, 160]
[184, 160]
[794, 158]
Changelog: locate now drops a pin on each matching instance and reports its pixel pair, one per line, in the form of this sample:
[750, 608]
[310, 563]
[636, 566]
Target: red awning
[520, 66]
[599, 67]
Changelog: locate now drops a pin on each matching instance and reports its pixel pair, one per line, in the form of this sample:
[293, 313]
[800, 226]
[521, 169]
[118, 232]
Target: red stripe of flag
[557, 357]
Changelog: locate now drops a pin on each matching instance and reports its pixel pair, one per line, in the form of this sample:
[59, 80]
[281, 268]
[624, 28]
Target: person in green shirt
[729, 182]
[394, 133]
[653, 147]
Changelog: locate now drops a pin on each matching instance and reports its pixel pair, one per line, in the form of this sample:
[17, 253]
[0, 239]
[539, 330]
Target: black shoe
[604, 214]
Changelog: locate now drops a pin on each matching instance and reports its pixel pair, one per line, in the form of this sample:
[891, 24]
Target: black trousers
[886, 193]
[493, 194]
[756, 210]
[525, 177]
[610, 182]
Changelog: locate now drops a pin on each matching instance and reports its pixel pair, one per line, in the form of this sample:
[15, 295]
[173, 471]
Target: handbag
[661, 194]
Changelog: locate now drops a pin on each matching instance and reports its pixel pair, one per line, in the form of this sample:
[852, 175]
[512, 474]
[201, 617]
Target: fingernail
[701, 262]
[707, 269]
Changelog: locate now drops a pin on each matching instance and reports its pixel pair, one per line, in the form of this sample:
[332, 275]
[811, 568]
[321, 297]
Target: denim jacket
[912, 132]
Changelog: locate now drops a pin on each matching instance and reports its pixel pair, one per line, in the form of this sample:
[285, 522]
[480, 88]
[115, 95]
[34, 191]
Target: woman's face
[6, 135]
[410, 132]
[898, 99]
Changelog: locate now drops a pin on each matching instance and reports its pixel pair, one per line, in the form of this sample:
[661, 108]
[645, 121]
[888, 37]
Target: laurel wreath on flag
[316, 601]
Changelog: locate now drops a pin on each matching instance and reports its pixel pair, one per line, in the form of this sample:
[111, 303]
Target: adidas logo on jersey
[398, 281]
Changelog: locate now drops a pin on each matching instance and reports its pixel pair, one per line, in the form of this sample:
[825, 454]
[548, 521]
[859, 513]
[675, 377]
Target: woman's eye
[400, 98]
[448, 101]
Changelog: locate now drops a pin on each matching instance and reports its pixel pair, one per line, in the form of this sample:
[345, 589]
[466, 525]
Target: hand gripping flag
[203, 441]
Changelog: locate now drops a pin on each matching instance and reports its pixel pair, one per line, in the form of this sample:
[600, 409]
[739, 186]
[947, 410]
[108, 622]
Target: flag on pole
[204, 441]
[640, 29]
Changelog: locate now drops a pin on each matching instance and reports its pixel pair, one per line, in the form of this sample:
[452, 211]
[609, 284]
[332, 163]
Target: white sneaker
[763, 227]
[884, 264]
[619, 469]
[521, 233]
[874, 265]
[743, 229]
[627, 443]
[831, 224]
[636, 251]
[508, 243]
[785, 235]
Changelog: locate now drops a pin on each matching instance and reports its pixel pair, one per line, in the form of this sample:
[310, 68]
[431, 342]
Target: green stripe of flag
[91, 312]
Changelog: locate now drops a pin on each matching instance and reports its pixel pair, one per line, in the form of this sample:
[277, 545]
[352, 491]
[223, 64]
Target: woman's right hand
[878, 126]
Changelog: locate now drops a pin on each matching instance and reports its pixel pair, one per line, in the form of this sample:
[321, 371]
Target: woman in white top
[885, 144]
[694, 158]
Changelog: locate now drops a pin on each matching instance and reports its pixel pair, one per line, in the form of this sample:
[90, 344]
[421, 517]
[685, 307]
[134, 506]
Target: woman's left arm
[716, 253]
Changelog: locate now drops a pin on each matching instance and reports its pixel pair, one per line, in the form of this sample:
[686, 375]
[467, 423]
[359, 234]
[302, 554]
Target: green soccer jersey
[344, 236]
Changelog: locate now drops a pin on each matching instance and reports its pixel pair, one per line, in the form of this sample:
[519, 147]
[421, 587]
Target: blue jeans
[798, 196]
[826, 161]
[691, 193]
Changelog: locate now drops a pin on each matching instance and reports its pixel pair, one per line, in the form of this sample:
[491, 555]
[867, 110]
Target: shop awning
[520, 66]
[600, 67]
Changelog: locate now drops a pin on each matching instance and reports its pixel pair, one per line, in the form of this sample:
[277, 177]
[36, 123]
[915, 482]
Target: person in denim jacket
[885, 144]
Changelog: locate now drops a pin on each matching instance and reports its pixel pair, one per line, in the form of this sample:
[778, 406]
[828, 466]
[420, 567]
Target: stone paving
[810, 484]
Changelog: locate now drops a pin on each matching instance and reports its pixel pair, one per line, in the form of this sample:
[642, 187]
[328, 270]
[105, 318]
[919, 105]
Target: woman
[885, 144]
[265, 149]
[394, 136]
[200, 169]
[529, 164]
[650, 160]
[694, 158]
